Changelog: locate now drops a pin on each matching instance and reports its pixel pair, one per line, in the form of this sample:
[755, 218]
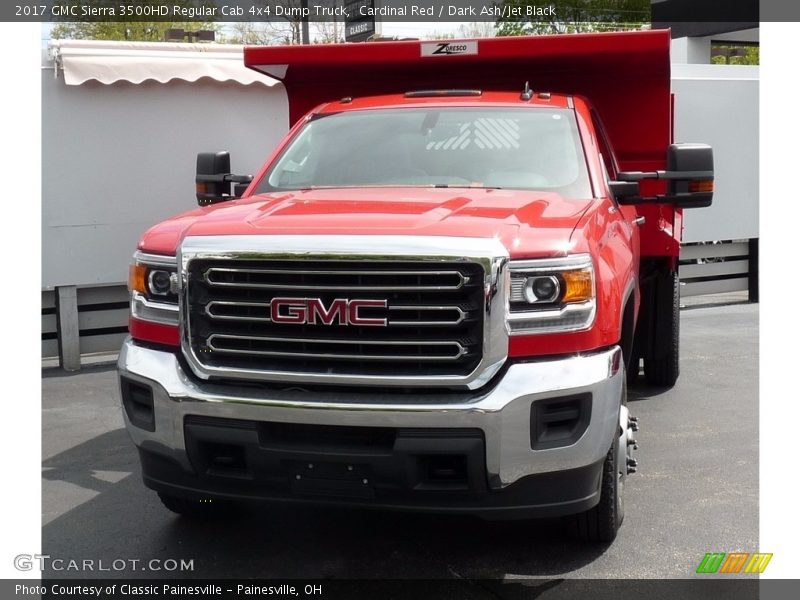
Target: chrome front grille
[273, 309]
[335, 278]
[432, 323]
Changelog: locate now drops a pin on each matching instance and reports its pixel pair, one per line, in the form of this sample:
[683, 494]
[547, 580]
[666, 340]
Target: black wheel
[601, 523]
[663, 369]
[196, 509]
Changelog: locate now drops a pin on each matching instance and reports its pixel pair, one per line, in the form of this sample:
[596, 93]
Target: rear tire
[664, 370]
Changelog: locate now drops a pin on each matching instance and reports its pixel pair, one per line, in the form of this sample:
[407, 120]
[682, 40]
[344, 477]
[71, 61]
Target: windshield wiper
[468, 187]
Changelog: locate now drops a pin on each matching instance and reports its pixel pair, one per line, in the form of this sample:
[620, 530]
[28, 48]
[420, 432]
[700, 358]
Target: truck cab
[431, 297]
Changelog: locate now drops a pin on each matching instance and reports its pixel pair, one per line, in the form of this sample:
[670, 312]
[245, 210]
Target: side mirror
[213, 179]
[689, 176]
[693, 167]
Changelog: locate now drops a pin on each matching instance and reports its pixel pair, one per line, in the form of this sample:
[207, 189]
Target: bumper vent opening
[137, 399]
[443, 471]
[559, 421]
[223, 460]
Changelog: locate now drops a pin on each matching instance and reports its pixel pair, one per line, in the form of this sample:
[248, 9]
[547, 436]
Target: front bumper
[489, 449]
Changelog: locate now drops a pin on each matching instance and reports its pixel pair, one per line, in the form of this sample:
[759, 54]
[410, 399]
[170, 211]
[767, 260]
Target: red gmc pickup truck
[432, 295]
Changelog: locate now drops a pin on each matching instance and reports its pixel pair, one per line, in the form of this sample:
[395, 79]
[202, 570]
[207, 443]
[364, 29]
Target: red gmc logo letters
[313, 311]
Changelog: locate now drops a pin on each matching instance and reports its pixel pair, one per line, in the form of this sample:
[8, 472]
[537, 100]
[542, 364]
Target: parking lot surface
[696, 491]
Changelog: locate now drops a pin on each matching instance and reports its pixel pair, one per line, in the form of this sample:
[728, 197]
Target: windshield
[517, 148]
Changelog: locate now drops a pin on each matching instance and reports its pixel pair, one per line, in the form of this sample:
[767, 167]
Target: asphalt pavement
[696, 491]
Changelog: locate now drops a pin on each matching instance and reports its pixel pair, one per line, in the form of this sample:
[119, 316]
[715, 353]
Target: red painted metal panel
[154, 332]
[625, 75]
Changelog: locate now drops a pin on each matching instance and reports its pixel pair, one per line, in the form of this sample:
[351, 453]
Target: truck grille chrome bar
[257, 312]
[287, 279]
[349, 310]
[401, 350]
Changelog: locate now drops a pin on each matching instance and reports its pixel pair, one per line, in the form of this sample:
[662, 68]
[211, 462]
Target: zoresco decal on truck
[433, 293]
[447, 48]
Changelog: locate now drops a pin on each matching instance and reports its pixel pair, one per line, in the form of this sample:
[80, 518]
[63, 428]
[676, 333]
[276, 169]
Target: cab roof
[442, 98]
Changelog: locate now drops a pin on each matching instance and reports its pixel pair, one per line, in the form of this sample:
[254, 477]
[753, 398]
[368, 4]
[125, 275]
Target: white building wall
[119, 158]
[718, 105]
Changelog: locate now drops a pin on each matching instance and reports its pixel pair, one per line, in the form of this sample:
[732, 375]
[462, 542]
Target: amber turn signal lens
[578, 285]
[701, 186]
[136, 279]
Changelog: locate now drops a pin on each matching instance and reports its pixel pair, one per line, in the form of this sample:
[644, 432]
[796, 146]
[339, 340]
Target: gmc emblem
[313, 311]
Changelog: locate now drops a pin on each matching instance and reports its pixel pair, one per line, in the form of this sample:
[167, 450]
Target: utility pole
[304, 22]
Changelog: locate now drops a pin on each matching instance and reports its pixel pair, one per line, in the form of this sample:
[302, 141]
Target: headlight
[153, 283]
[162, 283]
[539, 289]
[551, 295]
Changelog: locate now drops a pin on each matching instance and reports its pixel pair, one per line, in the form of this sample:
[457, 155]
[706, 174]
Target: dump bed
[626, 77]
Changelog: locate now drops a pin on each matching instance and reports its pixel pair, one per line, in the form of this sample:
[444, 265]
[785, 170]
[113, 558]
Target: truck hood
[528, 223]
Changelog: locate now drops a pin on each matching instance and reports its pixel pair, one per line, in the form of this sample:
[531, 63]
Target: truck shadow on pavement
[96, 464]
[640, 390]
[124, 520]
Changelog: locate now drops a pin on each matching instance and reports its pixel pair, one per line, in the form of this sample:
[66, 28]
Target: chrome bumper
[502, 412]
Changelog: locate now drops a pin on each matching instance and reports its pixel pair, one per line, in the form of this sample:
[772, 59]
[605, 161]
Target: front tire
[663, 370]
[602, 522]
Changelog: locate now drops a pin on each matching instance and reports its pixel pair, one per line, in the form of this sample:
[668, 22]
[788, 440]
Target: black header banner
[701, 588]
[347, 11]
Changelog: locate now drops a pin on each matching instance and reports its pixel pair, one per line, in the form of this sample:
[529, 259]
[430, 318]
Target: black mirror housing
[240, 188]
[213, 163]
[209, 177]
[696, 163]
[689, 176]
[213, 178]
[625, 192]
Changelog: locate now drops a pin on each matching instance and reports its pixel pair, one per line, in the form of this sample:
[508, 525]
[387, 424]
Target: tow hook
[633, 425]
[626, 443]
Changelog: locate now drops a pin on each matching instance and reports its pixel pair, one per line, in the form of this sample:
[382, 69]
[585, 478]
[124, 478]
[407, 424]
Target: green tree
[476, 29]
[268, 33]
[102, 28]
[481, 29]
[284, 31]
[575, 16]
[723, 54]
